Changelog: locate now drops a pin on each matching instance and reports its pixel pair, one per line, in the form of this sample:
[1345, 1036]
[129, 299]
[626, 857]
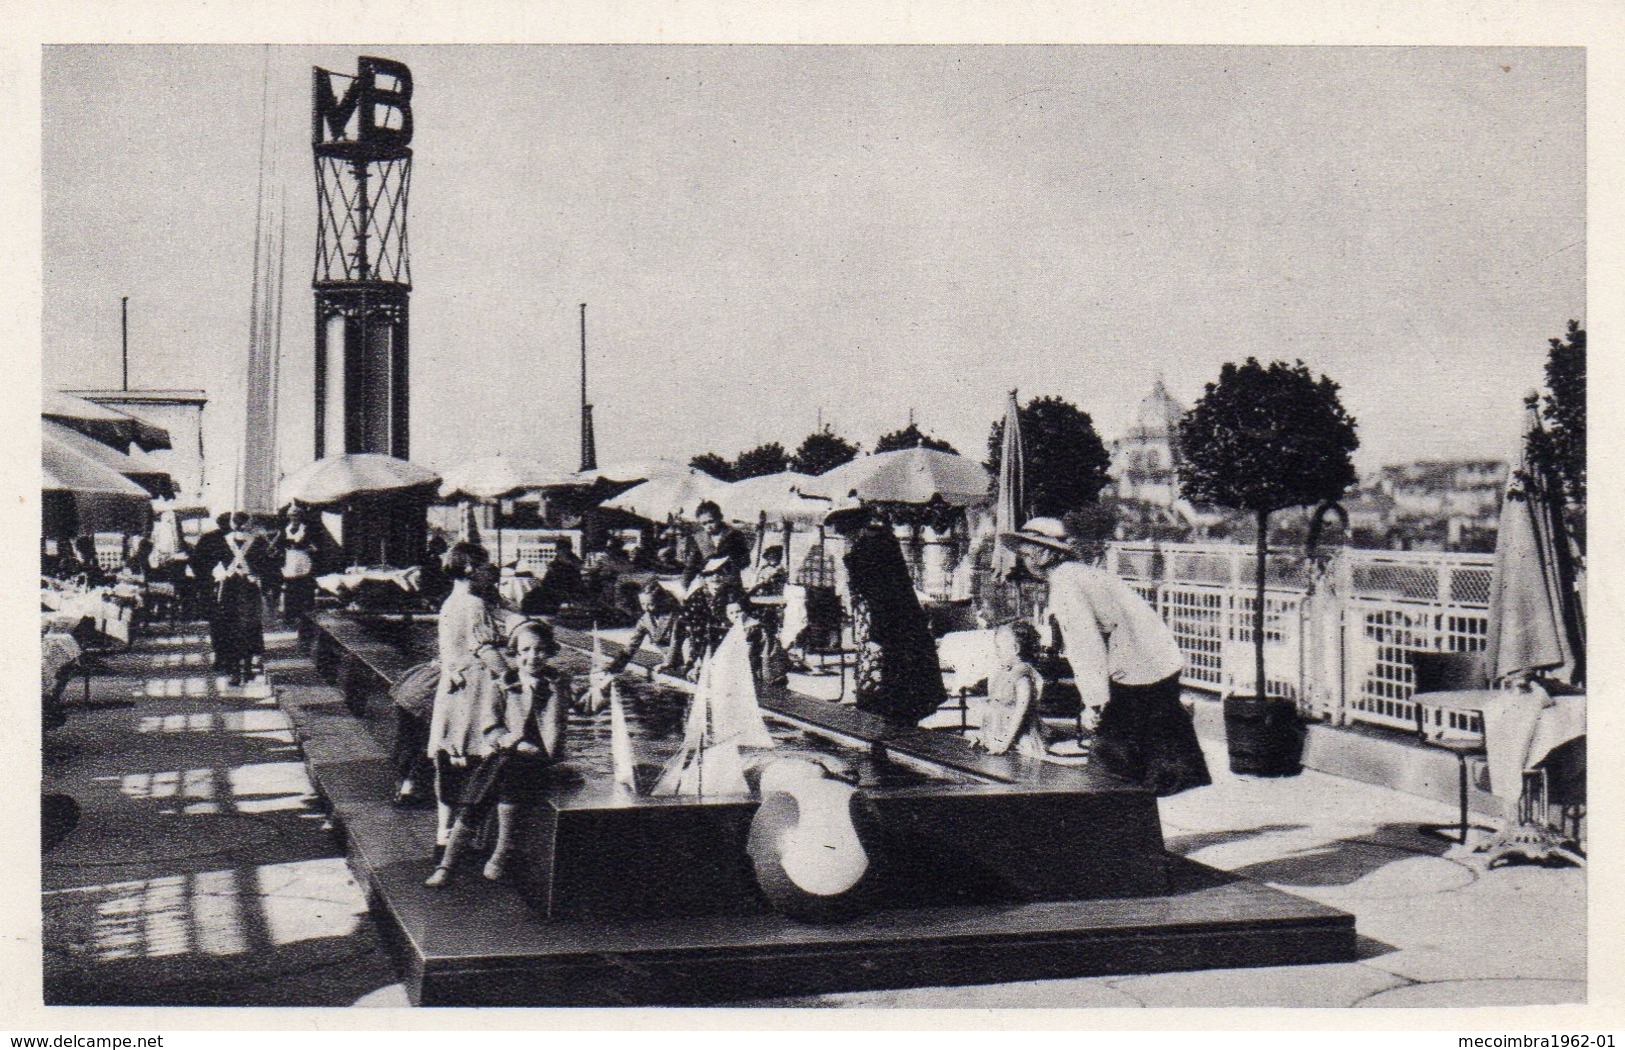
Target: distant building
[178, 411]
[1449, 504]
[1145, 460]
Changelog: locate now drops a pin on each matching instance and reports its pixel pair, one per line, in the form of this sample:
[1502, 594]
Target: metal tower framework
[363, 274]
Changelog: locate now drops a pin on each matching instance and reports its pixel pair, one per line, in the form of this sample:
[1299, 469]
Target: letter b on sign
[382, 114]
[378, 127]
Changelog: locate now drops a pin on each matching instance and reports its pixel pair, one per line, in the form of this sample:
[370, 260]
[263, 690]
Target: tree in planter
[1066, 462]
[1262, 439]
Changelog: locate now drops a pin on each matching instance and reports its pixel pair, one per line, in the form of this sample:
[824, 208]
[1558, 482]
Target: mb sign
[373, 118]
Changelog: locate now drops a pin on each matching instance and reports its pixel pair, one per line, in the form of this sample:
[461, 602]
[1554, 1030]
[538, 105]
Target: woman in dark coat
[899, 677]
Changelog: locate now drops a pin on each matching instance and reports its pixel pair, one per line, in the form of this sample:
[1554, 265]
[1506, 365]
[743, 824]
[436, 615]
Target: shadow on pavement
[1188, 844]
[1346, 861]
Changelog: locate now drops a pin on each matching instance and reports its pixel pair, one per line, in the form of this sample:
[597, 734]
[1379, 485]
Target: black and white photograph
[861, 526]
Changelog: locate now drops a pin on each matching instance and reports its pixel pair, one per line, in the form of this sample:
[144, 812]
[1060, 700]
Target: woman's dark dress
[238, 610]
[899, 677]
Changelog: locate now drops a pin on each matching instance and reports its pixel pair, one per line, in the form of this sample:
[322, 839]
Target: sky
[769, 236]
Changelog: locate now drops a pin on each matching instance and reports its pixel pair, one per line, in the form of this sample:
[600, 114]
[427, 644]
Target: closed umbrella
[1010, 510]
[1535, 622]
[499, 476]
[340, 478]
[107, 425]
[910, 475]
[661, 498]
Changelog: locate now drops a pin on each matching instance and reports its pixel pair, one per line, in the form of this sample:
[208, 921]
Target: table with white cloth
[59, 654]
[357, 582]
[1521, 730]
[106, 611]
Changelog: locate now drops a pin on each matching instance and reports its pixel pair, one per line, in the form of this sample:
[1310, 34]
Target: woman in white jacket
[1124, 659]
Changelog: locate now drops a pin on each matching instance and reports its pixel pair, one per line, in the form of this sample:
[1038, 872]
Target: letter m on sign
[331, 115]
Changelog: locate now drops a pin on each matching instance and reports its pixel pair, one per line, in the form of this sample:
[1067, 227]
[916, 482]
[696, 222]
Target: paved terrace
[204, 871]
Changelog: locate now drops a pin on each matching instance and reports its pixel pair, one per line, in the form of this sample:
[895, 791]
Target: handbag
[414, 693]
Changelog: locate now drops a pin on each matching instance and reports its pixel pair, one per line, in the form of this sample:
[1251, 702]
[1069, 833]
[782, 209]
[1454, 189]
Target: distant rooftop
[144, 396]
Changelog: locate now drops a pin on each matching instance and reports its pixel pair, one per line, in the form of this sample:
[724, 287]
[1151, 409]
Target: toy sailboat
[620, 743]
[723, 718]
[598, 675]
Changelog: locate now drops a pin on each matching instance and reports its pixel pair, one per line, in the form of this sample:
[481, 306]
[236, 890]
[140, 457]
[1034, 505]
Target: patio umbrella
[109, 426]
[81, 495]
[634, 470]
[1009, 511]
[910, 475]
[661, 498]
[774, 496]
[499, 476]
[339, 478]
[1535, 623]
[154, 479]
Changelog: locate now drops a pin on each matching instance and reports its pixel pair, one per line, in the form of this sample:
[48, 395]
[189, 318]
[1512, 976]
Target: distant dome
[1158, 414]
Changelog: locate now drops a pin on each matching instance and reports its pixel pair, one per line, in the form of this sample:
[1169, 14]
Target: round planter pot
[1264, 737]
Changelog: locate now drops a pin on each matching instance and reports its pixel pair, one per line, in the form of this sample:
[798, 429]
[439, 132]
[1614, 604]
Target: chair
[1449, 673]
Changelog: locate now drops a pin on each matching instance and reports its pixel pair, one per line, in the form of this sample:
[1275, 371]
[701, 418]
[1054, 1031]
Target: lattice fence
[1387, 604]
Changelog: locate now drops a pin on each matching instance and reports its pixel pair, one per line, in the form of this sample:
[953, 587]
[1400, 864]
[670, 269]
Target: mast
[589, 450]
[124, 324]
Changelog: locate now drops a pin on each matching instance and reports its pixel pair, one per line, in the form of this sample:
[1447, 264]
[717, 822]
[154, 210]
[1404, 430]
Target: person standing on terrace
[899, 676]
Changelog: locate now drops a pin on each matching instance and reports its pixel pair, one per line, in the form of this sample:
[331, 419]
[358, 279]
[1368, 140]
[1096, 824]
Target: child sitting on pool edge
[528, 737]
[1011, 722]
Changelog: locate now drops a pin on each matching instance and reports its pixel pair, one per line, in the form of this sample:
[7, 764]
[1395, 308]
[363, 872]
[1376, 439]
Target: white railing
[1337, 634]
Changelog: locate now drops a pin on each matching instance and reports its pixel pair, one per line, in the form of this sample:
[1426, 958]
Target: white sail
[620, 743]
[723, 718]
[598, 673]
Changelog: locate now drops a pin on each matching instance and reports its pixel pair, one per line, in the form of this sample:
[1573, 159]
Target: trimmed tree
[714, 465]
[1067, 463]
[761, 460]
[912, 436]
[822, 451]
[1262, 439]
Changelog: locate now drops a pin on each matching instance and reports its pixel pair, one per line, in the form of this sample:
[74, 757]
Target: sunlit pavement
[203, 870]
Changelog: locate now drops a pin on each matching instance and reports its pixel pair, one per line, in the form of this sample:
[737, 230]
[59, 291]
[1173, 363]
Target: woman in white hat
[1124, 659]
